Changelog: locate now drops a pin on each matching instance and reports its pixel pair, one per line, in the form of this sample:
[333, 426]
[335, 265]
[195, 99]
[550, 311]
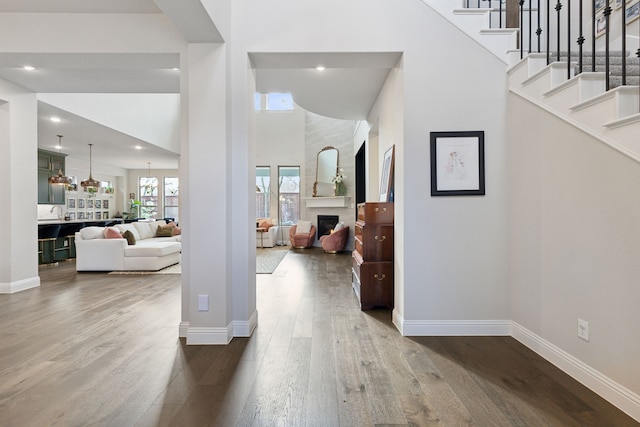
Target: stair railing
[601, 21]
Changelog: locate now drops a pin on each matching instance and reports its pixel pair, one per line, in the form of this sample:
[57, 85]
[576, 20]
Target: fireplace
[326, 223]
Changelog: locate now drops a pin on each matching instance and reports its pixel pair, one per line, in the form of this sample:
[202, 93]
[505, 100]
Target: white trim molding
[209, 336]
[418, 328]
[183, 328]
[618, 395]
[19, 285]
[244, 328]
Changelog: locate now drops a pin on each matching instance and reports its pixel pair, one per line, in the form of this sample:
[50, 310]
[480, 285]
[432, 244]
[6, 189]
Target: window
[148, 197]
[273, 102]
[171, 193]
[289, 194]
[263, 191]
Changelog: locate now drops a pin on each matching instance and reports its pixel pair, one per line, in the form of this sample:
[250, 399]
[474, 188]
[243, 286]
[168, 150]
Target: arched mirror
[326, 169]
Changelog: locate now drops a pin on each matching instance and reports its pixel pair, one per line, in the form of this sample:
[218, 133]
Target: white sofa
[94, 252]
[269, 238]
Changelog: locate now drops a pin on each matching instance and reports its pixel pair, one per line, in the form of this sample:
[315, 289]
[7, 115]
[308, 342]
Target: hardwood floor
[102, 350]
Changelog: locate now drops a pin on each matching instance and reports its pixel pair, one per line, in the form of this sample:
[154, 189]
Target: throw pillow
[92, 232]
[177, 231]
[303, 227]
[131, 240]
[112, 233]
[166, 231]
[266, 225]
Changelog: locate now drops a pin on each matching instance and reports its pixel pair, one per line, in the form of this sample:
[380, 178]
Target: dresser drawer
[376, 212]
[378, 244]
[376, 285]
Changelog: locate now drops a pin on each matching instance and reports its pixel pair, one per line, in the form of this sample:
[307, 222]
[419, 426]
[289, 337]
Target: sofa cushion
[90, 233]
[304, 227]
[131, 240]
[156, 249]
[166, 231]
[130, 227]
[112, 233]
[144, 229]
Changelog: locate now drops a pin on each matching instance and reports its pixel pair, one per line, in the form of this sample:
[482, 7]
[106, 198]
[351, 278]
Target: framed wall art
[457, 163]
[386, 181]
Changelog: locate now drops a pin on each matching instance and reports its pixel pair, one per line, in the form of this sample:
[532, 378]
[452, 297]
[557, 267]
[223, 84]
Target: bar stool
[47, 235]
[68, 232]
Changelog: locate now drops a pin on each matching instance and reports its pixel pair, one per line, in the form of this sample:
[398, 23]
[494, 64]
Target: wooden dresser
[372, 277]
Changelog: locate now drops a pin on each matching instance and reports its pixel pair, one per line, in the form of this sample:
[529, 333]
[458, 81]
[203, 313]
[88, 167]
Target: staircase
[581, 99]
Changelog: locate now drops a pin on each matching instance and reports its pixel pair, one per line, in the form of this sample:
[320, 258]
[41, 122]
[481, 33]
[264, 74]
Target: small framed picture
[81, 215]
[98, 215]
[386, 183]
[71, 203]
[633, 12]
[72, 216]
[105, 204]
[80, 203]
[89, 203]
[601, 24]
[105, 215]
[89, 215]
[98, 204]
[457, 163]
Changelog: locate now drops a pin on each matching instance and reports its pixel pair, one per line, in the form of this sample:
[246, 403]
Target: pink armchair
[304, 240]
[336, 241]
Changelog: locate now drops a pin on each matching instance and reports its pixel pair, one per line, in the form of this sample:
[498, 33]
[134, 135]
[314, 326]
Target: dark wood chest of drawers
[372, 276]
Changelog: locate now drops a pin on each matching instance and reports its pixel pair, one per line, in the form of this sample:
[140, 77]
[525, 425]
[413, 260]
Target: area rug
[267, 259]
[172, 269]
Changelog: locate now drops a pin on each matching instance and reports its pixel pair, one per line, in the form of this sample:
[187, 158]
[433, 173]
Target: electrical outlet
[583, 329]
[203, 302]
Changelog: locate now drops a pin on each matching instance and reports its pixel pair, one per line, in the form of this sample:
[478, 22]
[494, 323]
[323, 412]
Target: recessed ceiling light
[320, 68]
[55, 119]
[28, 68]
[176, 69]
[138, 147]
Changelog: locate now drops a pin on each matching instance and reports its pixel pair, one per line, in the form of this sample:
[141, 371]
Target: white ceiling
[346, 89]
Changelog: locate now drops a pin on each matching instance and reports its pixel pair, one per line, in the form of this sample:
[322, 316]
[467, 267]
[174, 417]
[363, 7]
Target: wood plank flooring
[102, 350]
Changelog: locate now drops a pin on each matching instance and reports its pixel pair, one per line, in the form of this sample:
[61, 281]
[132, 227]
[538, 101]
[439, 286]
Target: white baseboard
[618, 395]
[417, 328]
[19, 285]
[209, 336]
[244, 328]
[183, 328]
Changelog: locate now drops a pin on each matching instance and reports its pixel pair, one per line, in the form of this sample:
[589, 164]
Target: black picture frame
[457, 163]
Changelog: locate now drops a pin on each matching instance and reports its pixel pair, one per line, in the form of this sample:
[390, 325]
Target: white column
[19, 189]
[205, 200]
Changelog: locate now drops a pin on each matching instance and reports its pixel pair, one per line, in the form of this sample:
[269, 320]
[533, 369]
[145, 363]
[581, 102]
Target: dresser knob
[379, 277]
[383, 210]
[380, 239]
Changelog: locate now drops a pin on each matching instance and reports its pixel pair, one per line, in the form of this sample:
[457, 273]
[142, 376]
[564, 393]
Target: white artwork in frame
[457, 163]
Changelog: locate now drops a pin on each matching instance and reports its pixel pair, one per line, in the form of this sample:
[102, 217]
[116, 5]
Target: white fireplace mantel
[327, 202]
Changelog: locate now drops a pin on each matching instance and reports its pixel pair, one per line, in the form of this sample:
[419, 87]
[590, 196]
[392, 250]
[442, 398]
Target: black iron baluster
[500, 17]
[539, 30]
[593, 36]
[530, 27]
[521, 3]
[607, 13]
[549, 32]
[624, 42]
[558, 9]
[568, 39]
[580, 39]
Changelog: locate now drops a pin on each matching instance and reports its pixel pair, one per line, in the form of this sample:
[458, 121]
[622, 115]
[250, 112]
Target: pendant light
[59, 179]
[90, 182]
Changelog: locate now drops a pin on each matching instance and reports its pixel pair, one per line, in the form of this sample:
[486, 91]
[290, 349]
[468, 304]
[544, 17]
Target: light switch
[203, 302]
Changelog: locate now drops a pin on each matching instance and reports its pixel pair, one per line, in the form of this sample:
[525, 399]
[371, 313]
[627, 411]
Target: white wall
[18, 166]
[455, 264]
[574, 241]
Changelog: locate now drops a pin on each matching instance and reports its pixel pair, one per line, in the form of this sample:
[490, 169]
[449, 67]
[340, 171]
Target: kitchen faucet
[59, 207]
